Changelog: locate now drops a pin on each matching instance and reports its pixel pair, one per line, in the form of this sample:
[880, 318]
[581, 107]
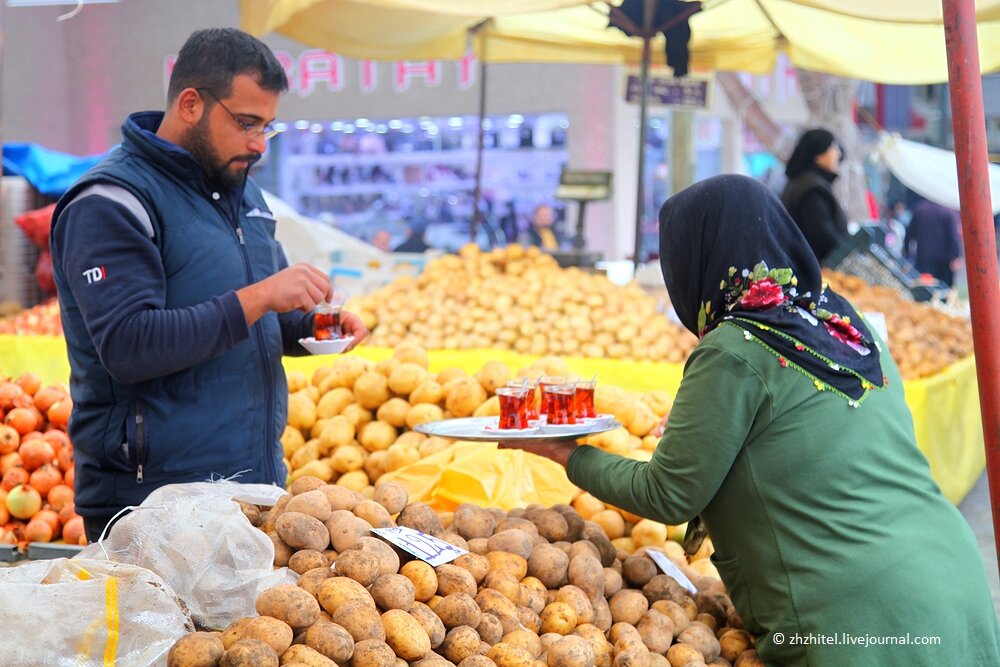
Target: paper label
[421, 545]
[671, 570]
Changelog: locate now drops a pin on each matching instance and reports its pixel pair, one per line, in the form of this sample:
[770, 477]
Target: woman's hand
[557, 450]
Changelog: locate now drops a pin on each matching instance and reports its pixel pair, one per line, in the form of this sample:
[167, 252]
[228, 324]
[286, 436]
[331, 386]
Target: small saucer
[332, 346]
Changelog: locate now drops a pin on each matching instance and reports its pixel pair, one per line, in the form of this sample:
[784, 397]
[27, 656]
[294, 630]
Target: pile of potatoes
[352, 421]
[923, 340]
[518, 298]
[539, 588]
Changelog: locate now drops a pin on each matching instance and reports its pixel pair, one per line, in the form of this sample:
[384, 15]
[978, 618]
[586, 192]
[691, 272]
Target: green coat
[824, 516]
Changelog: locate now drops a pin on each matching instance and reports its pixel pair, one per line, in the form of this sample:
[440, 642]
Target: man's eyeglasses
[251, 129]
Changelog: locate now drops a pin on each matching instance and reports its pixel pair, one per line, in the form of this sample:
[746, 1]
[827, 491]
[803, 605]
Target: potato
[290, 604]
[460, 643]
[387, 557]
[361, 619]
[421, 413]
[400, 456]
[393, 591]
[683, 655]
[573, 519]
[405, 635]
[333, 402]
[458, 609]
[372, 653]
[234, 632]
[198, 649]
[464, 397]
[393, 412]
[392, 496]
[376, 436]
[312, 580]
[549, 564]
[301, 531]
[576, 598]
[275, 633]
[337, 432]
[477, 661]
[494, 602]
[514, 541]
[505, 655]
[628, 606]
[471, 521]
[454, 579]
[303, 654]
[571, 651]
[406, 377]
[613, 582]
[598, 643]
[356, 480]
[558, 617]
[428, 391]
[339, 590]
[420, 516]
[373, 513]
[657, 631]
[531, 597]
[345, 529]
[638, 570]
[586, 573]
[282, 552]
[735, 642]
[430, 622]
[356, 416]
[490, 629]
[249, 652]
[662, 587]
[514, 523]
[551, 525]
[702, 638]
[512, 564]
[371, 390]
[676, 614]
[410, 352]
[361, 566]
[749, 659]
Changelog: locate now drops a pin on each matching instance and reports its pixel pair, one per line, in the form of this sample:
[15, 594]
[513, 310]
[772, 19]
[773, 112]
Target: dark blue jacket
[168, 382]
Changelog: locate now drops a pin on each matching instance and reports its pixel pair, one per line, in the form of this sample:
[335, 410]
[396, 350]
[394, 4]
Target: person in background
[177, 301]
[415, 241]
[808, 195]
[932, 242]
[543, 232]
[790, 440]
[382, 240]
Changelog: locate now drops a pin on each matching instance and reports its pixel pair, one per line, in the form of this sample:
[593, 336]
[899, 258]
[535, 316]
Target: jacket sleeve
[818, 224]
[698, 447]
[136, 337]
[294, 324]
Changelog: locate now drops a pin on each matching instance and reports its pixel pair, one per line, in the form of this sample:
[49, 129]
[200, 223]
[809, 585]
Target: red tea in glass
[544, 383]
[531, 401]
[326, 322]
[560, 404]
[583, 401]
[513, 407]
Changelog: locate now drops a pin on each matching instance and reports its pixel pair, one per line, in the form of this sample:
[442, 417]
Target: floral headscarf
[732, 255]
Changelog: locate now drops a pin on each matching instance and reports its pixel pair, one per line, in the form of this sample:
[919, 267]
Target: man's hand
[353, 326]
[299, 287]
[557, 450]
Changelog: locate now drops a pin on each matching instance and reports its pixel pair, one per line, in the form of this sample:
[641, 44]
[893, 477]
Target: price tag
[671, 570]
[425, 547]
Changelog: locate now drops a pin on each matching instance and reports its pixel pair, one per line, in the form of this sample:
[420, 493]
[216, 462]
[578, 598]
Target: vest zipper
[140, 442]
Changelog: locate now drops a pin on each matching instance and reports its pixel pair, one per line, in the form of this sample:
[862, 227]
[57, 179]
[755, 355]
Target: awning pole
[969, 127]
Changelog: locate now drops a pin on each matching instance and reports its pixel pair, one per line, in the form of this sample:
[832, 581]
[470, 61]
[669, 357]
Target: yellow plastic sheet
[945, 407]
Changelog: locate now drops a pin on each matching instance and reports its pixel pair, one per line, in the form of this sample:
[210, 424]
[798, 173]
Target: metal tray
[484, 429]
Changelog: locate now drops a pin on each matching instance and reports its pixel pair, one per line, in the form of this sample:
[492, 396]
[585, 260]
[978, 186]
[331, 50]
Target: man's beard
[198, 142]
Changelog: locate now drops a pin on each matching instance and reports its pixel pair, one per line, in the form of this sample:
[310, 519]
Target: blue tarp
[50, 172]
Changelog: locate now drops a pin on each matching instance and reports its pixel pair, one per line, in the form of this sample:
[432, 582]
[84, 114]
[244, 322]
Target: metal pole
[647, 22]
[477, 192]
[969, 126]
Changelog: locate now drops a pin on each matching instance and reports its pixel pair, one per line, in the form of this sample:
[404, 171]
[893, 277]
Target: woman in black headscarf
[808, 196]
[790, 439]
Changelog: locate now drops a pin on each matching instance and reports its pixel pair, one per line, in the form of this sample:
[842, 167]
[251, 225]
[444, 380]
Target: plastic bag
[43, 273]
[482, 474]
[82, 612]
[200, 542]
[36, 225]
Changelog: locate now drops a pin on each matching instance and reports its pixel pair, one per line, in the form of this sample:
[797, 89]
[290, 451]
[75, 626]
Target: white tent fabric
[930, 172]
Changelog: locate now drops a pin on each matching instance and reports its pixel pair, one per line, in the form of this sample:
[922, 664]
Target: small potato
[301, 531]
[628, 606]
[373, 653]
[680, 655]
[656, 630]
[249, 652]
[549, 564]
[406, 377]
[612, 582]
[234, 632]
[387, 558]
[460, 643]
[372, 512]
[490, 629]
[359, 565]
[198, 649]
[312, 580]
[526, 639]
[586, 573]
[422, 517]
[360, 619]
[472, 521]
[529, 619]
[431, 623]
[532, 598]
[282, 552]
[302, 561]
[558, 617]
[377, 435]
[345, 530]
[277, 634]
[371, 390]
[303, 654]
[676, 614]
[290, 604]
[576, 598]
[702, 638]
[393, 412]
[598, 643]
[405, 635]
[477, 661]
[514, 541]
[393, 591]
[421, 413]
[458, 609]
[491, 601]
[339, 497]
[551, 525]
[454, 579]
[734, 642]
[571, 651]
[512, 564]
[476, 565]
[392, 496]
[428, 391]
[423, 577]
[339, 590]
[638, 570]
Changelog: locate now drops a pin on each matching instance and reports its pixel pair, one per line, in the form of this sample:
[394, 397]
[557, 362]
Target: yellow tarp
[945, 407]
[890, 41]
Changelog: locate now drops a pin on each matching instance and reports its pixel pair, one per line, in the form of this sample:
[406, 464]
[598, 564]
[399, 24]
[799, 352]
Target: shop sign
[315, 70]
[426, 547]
[688, 92]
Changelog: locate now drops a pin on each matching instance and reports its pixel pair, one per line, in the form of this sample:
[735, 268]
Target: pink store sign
[316, 69]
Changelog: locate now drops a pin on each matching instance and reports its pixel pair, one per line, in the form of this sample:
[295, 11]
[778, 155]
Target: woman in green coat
[790, 439]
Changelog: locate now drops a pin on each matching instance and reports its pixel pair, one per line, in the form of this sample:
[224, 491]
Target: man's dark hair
[212, 58]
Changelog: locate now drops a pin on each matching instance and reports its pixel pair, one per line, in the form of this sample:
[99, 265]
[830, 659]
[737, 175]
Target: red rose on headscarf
[842, 331]
[763, 294]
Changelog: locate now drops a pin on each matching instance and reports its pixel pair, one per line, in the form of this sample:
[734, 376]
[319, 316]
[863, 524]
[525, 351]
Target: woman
[808, 196]
[789, 436]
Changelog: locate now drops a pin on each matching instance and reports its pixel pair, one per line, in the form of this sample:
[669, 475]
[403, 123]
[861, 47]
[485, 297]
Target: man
[177, 301]
[932, 242]
[415, 241]
[543, 232]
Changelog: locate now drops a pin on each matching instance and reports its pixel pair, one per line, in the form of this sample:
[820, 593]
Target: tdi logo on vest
[95, 275]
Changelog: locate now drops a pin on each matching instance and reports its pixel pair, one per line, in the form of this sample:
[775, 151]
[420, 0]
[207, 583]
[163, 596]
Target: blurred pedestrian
[932, 242]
